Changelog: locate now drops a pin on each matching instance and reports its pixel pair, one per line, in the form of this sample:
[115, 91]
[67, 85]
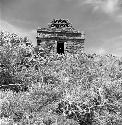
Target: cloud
[107, 6]
[110, 7]
[98, 50]
[5, 2]
[10, 28]
[111, 45]
[31, 34]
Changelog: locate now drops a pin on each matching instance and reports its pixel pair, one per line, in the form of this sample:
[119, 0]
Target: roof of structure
[59, 25]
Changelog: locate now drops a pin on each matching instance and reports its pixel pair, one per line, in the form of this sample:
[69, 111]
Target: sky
[100, 19]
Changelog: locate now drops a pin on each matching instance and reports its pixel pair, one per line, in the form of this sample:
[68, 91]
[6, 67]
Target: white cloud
[111, 45]
[12, 29]
[110, 7]
[4, 25]
[107, 6]
[97, 50]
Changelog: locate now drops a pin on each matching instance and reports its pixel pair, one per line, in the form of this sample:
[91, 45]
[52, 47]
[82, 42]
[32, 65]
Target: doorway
[60, 47]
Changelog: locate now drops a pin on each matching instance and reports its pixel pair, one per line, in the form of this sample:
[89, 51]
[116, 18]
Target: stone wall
[73, 47]
[50, 47]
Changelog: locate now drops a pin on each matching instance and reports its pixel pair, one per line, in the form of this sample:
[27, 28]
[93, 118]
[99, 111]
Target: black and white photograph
[60, 62]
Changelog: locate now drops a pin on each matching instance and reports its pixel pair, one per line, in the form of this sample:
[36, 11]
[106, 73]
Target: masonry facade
[60, 37]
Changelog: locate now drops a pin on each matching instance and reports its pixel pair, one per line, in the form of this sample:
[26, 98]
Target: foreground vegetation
[37, 89]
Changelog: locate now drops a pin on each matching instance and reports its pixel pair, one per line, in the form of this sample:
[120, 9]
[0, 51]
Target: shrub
[86, 88]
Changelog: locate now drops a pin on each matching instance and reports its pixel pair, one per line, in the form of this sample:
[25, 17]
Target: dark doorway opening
[60, 47]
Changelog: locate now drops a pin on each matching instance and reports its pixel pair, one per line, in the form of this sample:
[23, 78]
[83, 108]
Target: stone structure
[60, 37]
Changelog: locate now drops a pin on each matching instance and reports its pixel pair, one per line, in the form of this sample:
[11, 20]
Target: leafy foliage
[80, 89]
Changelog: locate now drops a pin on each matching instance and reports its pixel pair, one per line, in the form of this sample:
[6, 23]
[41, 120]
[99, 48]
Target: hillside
[82, 89]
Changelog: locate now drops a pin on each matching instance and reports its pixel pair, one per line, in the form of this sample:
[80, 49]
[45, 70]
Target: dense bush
[80, 89]
[13, 58]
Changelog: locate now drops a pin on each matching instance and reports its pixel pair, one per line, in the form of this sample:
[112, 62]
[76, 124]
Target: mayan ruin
[60, 37]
